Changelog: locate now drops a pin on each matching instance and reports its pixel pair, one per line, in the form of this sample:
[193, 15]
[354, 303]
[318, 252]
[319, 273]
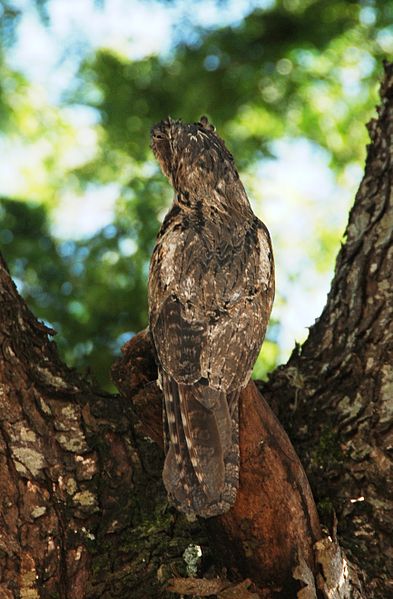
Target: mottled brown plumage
[211, 289]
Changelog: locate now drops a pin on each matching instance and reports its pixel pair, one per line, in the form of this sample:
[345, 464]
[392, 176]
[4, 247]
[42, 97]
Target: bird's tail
[201, 470]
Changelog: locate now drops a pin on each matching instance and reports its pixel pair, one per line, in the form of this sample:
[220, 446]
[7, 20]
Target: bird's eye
[158, 136]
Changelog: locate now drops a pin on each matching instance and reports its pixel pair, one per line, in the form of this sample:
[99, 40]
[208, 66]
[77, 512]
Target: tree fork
[77, 515]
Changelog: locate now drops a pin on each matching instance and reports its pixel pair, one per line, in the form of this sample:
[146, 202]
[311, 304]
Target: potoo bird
[211, 288]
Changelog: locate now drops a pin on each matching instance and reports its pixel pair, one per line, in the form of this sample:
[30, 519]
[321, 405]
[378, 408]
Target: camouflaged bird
[211, 288]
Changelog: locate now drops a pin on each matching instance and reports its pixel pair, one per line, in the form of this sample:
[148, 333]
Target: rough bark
[83, 512]
[335, 395]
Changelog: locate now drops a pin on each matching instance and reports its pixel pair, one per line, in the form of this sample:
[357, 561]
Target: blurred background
[289, 84]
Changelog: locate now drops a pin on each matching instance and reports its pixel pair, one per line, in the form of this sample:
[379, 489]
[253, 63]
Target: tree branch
[343, 375]
[83, 512]
[273, 525]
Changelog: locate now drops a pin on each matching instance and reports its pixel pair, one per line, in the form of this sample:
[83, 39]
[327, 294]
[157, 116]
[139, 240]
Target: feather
[201, 467]
[211, 288]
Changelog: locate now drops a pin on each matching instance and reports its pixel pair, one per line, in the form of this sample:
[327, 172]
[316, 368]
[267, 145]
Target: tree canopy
[289, 71]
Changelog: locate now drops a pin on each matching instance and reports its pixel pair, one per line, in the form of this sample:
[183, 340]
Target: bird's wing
[210, 304]
[201, 470]
[209, 307]
[236, 336]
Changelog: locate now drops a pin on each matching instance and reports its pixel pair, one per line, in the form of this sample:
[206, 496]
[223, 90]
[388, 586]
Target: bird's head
[162, 142]
[187, 151]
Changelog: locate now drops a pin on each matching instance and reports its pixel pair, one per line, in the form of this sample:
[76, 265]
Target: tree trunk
[83, 511]
[335, 395]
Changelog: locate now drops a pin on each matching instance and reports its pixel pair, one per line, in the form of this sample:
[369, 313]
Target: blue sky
[50, 55]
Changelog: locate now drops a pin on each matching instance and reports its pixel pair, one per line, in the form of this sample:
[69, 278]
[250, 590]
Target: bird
[210, 294]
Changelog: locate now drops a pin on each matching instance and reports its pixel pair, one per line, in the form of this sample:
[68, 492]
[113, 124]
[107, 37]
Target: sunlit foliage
[296, 69]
